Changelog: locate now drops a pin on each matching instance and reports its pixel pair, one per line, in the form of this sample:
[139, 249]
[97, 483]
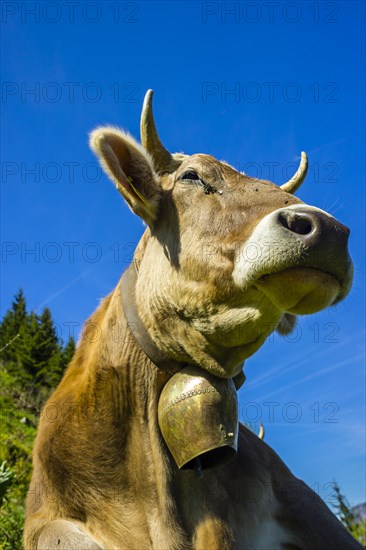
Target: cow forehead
[207, 164]
[209, 167]
[231, 212]
[236, 189]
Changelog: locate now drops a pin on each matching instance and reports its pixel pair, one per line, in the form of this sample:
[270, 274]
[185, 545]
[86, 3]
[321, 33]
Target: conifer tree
[47, 339]
[48, 351]
[355, 525]
[11, 325]
[27, 349]
[343, 508]
[68, 352]
[31, 349]
[50, 374]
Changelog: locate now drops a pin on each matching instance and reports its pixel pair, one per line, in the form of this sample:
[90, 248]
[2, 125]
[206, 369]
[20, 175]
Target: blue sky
[252, 83]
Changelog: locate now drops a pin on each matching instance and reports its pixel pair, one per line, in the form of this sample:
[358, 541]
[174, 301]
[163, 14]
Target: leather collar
[142, 337]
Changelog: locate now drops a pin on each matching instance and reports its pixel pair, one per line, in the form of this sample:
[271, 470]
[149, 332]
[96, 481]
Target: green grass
[18, 418]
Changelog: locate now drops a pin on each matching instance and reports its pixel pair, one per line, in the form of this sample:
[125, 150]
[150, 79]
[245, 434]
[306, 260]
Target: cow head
[226, 258]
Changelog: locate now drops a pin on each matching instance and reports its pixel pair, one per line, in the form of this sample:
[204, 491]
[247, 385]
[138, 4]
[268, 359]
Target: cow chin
[300, 290]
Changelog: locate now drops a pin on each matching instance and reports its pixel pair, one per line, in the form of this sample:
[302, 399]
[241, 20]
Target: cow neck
[137, 327]
[142, 337]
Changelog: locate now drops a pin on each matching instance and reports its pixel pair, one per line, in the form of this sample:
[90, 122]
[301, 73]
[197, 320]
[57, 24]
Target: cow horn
[261, 431]
[149, 136]
[294, 183]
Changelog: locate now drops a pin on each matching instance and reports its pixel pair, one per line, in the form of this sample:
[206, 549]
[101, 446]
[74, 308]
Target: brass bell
[198, 418]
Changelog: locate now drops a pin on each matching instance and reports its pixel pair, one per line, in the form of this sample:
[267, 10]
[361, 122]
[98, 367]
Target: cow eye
[190, 175]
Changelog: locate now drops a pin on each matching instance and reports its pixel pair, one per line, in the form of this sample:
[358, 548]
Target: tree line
[32, 361]
[30, 346]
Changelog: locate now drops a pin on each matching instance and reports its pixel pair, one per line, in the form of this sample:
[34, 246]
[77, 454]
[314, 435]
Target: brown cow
[103, 476]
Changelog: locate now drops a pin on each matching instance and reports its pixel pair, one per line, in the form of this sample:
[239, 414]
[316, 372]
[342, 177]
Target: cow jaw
[235, 333]
[300, 290]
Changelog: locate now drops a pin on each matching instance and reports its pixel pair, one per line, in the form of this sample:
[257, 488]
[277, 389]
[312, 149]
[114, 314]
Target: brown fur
[103, 477]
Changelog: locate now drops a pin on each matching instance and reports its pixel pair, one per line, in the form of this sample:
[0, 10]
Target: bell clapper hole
[198, 467]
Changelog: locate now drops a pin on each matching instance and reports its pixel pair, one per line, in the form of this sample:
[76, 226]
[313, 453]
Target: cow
[103, 476]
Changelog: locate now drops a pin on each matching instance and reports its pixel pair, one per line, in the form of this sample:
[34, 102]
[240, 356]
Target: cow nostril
[301, 226]
[297, 223]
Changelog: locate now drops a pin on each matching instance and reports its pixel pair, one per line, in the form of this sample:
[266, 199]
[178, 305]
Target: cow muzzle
[298, 257]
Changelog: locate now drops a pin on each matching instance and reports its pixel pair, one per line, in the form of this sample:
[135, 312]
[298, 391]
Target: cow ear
[128, 164]
[286, 324]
